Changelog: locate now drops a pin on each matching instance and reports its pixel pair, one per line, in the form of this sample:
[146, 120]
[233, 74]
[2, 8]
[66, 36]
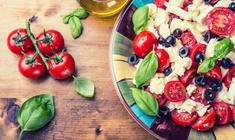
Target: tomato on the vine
[175, 91]
[183, 118]
[18, 41]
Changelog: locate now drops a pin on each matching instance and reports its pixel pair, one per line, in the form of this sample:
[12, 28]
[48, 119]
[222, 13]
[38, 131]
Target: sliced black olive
[199, 57]
[207, 1]
[163, 111]
[167, 71]
[226, 63]
[232, 6]
[161, 40]
[209, 95]
[133, 59]
[171, 40]
[201, 80]
[184, 52]
[177, 33]
[216, 85]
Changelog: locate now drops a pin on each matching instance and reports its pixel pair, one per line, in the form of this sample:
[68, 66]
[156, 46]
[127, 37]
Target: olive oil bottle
[103, 8]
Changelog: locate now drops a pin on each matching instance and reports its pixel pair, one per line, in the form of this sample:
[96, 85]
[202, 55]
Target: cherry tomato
[53, 41]
[197, 96]
[223, 112]
[233, 113]
[159, 97]
[188, 76]
[229, 76]
[188, 39]
[31, 67]
[18, 41]
[215, 73]
[205, 122]
[63, 67]
[183, 118]
[161, 3]
[196, 48]
[220, 21]
[175, 91]
[163, 59]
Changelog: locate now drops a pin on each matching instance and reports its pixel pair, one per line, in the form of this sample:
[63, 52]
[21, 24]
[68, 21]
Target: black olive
[199, 56]
[219, 38]
[216, 85]
[171, 40]
[163, 111]
[207, 1]
[177, 33]
[201, 80]
[226, 63]
[209, 95]
[161, 40]
[167, 71]
[184, 52]
[133, 59]
[207, 36]
[232, 6]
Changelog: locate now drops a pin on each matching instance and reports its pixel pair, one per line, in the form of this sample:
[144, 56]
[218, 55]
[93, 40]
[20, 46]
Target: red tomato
[183, 118]
[228, 77]
[175, 91]
[143, 43]
[188, 39]
[63, 67]
[188, 76]
[163, 59]
[186, 4]
[197, 96]
[233, 113]
[220, 21]
[196, 48]
[215, 73]
[161, 3]
[171, 17]
[31, 67]
[159, 97]
[205, 122]
[53, 42]
[223, 112]
[18, 42]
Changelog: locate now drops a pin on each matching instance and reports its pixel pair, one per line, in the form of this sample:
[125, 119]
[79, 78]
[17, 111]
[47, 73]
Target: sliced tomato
[183, 118]
[229, 76]
[196, 48]
[233, 113]
[215, 73]
[161, 99]
[223, 112]
[161, 3]
[163, 59]
[220, 21]
[188, 76]
[205, 122]
[175, 91]
[188, 39]
[197, 96]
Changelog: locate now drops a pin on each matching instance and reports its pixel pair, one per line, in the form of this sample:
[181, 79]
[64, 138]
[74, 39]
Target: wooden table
[76, 117]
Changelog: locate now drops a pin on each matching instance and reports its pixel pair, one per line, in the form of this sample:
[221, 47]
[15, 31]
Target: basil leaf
[66, 18]
[75, 26]
[207, 65]
[36, 112]
[81, 13]
[147, 69]
[146, 102]
[140, 19]
[84, 86]
[223, 48]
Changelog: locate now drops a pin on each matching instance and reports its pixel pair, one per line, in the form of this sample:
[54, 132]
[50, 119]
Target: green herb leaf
[140, 19]
[75, 26]
[207, 65]
[84, 86]
[36, 112]
[146, 102]
[223, 48]
[66, 18]
[81, 13]
[147, 69]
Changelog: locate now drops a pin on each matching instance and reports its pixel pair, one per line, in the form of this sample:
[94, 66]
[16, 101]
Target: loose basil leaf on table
[66, 18]
[75, 26]
[223, 48]
[146, 102]
[207, 65]
[81, 13]
[147, 69]
[140, 19]
[36, 112]
[84, 86]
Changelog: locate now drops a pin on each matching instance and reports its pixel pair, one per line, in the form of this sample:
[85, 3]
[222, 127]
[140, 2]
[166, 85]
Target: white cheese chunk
[176, 23]
[231, 55]
[177, 3]
[201, 109]
[188, 106]
[157, 85]
[233, 37]
[210, 47]
[172, 77]
[164, 31]
[223, 3]
[151, 27]
[161, 17]
[173, 105]
[204, 10]
[197, 2]
[231, 92]
[227, 96]
[190, 89]
[152, 10]
[179, 12]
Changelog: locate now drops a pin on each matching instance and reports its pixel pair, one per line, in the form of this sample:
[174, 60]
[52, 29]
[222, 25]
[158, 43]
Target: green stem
[21, 133]
[44, 59]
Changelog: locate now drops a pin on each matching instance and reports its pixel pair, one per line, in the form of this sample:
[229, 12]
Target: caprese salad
[184, 57]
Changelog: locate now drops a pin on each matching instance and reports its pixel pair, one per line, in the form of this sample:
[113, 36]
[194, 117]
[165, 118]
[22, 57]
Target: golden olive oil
[103, 8]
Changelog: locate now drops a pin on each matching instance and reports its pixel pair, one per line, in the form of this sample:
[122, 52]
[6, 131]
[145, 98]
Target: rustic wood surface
[76, 117]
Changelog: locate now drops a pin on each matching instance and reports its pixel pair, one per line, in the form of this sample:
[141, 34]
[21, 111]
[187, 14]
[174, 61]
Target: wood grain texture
[76, 117]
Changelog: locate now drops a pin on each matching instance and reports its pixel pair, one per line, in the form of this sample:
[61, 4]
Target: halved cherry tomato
[163, 59]
[161, 3]
[143, 43]
[229, 76]
[223, 112]
[233, 113]
[220, 21]
[188, 76]
[205, 122]
[196, 48]
[161, 99]
[188, 39]
[175, 91]
[215, 73]
[183, 118]
[197, 96]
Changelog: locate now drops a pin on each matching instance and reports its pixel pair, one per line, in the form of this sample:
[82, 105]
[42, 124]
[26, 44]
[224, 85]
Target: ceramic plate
[120, 49]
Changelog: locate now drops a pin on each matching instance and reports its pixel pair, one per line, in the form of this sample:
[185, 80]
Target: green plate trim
[122, 45]
[124, 87]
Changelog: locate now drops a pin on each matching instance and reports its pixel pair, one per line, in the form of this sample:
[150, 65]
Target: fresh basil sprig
[222, 49]
[35, 113]
[84, 86]
[140, 19]
[74, 20]
[146, 102]
[147, 69]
